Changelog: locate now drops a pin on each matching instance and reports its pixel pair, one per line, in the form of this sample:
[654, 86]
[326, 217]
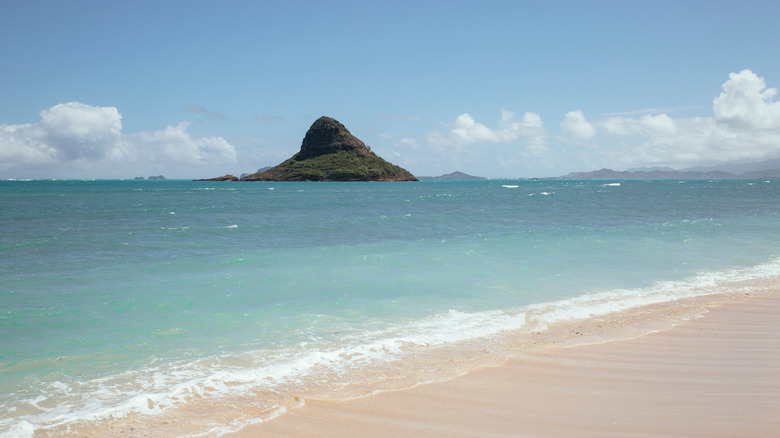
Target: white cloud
[477, 148]
[648, 125]
[409, 142]
[746, 103]
[619, 126]
[81, 131]
[91, 136]
[651, 111]
[575, 125]
[175, 143]
[67, 132]
[660, 124]
[466, 130]
[744, 126]
[24, 144]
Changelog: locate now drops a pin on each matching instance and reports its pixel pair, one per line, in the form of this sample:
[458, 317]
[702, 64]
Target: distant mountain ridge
[740, 168]
[757, 170]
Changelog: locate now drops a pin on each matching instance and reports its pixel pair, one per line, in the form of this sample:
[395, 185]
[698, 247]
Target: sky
[516, 89]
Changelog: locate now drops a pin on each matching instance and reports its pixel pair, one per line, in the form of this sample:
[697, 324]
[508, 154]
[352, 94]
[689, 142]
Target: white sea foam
[509, 186]
[21, 429]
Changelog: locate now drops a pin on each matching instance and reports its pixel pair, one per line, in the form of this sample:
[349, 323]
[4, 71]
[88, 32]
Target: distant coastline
[660, 174]
[769, 169]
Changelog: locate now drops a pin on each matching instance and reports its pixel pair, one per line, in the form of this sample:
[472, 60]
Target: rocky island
[329, 152]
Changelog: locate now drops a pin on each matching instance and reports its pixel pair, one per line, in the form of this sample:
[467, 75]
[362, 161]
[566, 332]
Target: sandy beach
[708, 367]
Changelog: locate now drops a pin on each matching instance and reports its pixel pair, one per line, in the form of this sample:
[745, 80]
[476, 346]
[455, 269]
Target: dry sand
[717, 375]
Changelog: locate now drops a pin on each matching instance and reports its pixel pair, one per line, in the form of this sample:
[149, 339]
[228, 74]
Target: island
[453, 175]
[151, 177]
[329, 152]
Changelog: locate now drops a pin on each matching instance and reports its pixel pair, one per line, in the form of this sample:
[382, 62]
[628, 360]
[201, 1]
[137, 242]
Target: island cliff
[329, 152]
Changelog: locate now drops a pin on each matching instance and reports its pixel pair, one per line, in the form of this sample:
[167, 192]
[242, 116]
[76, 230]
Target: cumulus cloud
[88, 135]
[176, 144]
[67, 132]
[81, 131]
[649, 125]
[470, 145]
[746, 103]
[744, 126]
[466, 130]
[660, 124]
[575, 125]
[24, 144]
[619, 126]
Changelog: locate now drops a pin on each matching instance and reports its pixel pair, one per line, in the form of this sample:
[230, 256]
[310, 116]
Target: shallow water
[143, 297]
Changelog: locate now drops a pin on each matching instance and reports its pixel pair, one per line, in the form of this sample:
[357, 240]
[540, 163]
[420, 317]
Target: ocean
[197, 308]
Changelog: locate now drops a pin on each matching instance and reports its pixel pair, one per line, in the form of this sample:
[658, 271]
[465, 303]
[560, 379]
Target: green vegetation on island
[337, 166]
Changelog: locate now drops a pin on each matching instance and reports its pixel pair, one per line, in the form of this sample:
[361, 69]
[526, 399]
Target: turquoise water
[117, 294]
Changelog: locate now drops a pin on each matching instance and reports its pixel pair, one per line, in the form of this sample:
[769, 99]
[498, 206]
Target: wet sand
[715, 375]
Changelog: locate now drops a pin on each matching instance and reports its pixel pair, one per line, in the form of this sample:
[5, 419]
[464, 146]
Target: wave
[349, 365]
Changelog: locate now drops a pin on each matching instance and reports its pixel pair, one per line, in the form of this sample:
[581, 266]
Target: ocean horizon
[143, 299]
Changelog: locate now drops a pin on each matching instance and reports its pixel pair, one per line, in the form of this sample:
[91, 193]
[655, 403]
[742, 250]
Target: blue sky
[191, 89]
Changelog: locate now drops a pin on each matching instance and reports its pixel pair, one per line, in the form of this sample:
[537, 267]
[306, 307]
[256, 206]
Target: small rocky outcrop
[221, 178]
[262, 169]
[453, 175]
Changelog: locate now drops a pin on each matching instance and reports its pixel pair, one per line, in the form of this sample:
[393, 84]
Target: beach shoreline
[703, 366]
[707, 365]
